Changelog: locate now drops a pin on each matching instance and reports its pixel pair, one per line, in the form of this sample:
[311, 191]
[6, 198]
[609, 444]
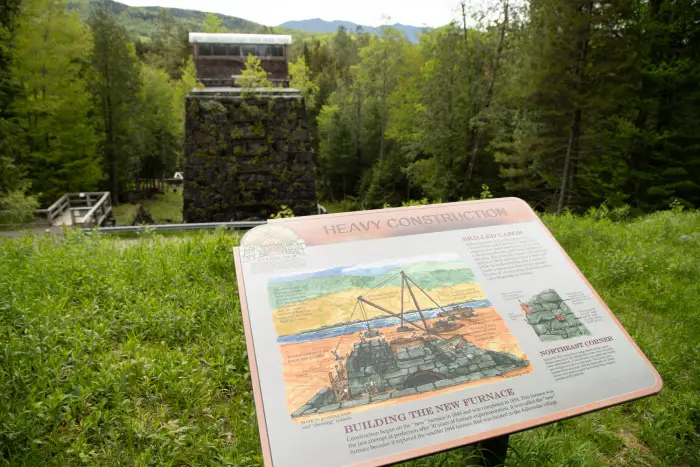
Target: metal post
[493, 451]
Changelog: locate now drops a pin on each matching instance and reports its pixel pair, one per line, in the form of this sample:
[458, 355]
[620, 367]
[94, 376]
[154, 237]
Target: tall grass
[164, 207]
[131, 352]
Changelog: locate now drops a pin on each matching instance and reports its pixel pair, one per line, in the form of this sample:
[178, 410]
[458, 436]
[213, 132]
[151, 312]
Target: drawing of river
[345, 328]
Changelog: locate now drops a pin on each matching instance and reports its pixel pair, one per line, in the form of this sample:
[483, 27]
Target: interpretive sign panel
[380, 336]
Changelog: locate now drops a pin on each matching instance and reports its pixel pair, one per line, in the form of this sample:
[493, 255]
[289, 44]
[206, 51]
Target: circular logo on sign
[271, 242]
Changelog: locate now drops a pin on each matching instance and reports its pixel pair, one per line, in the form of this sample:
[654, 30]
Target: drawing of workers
[371, 388]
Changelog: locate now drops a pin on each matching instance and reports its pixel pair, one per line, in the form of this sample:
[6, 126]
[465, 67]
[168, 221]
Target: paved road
[31, 230]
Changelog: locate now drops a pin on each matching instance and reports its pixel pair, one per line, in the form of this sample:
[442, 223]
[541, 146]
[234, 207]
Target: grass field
[165, 208]
[116, 352]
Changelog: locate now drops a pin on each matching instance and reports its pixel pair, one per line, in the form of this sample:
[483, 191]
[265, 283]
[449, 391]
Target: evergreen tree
[664, 164]
[115, 88]
[336, 162]
[212, 24]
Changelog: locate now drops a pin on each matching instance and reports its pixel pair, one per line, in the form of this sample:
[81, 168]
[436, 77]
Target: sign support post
[494, 451]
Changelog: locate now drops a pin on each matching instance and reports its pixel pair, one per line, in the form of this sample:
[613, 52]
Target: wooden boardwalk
[83, 210]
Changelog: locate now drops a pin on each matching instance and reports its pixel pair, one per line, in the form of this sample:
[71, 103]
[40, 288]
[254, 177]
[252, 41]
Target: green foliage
[485, 192]
[132, 351]
[53, 102]
[299, 79]
[164, 208]
[212, 24]
[337, 156]
[168, 47]
[12, 144]
[416, 202]
[285, 211]
[159, 130]
[566, 105]
[182, 88]
[612, 89]
[16, 207]
[253, 75]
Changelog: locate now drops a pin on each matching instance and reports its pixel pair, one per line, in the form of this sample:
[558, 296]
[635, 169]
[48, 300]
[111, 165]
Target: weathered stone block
[230, 134]
[492, 372]
[301, 410]
[380, 397]
[405, 392]
[487, 365]
[396, 373]
[443, 383]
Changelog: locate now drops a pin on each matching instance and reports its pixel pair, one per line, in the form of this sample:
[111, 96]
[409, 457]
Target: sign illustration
[551, 318]
[382, 331]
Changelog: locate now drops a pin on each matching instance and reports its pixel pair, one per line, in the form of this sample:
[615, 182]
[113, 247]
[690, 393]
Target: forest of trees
[567, 104]
[83, 106]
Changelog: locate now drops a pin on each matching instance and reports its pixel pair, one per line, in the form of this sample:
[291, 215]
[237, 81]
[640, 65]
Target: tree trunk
[575, 131]
[358, 133]
[476, 132]
[464, 20]
[381, 140]
[573, 136]
[109, 139]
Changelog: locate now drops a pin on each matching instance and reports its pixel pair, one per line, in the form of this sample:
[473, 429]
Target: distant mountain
[141, 21]
[321, 26]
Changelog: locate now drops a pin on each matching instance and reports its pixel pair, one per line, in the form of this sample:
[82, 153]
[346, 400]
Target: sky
[431, 13]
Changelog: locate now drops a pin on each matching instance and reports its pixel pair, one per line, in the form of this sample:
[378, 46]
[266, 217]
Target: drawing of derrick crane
[432, 357]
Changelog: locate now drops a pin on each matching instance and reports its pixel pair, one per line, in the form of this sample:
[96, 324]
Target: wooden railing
[89, 209]
[56, 210]
[99, 212]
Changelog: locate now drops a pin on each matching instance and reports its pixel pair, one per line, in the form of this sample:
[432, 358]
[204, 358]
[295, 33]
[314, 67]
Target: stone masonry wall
[450, 362]
[247, 153]
[552, 319]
